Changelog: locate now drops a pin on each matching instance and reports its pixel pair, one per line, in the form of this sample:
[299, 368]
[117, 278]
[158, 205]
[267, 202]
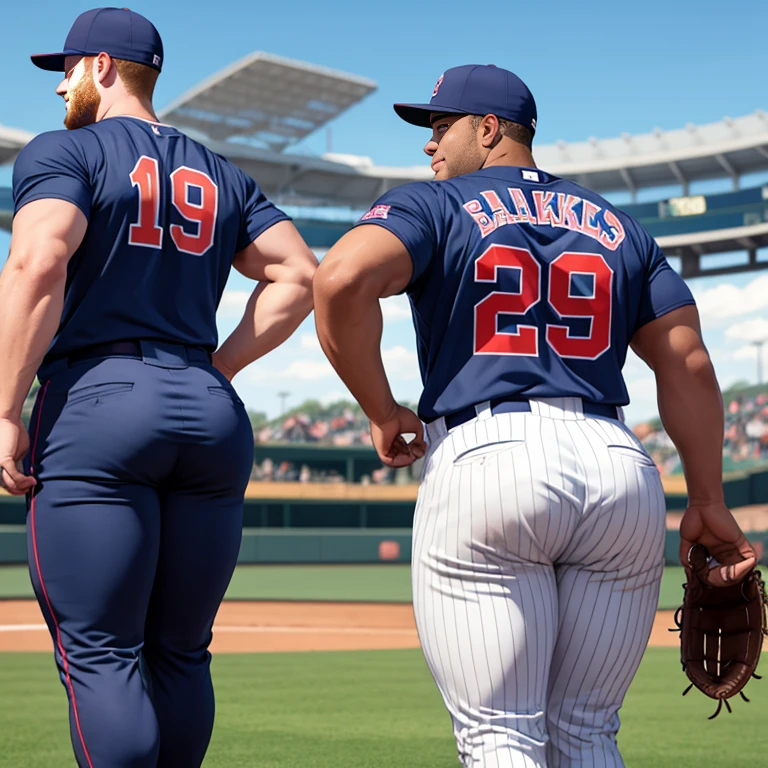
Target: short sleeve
[411, 213]
[663, 291]
[259, 214]
[52, 165]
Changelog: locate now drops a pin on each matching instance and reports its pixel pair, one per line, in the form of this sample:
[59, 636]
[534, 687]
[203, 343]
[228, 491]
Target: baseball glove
[721, 630]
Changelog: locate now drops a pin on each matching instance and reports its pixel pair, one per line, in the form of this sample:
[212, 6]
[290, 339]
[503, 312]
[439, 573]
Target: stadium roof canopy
[254, 109]
[693, 247]
[729, 148]
[12, 141]
[265, 100]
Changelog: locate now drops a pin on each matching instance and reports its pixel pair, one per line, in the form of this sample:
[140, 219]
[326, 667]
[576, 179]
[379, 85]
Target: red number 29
[525, 340]
[148, 233]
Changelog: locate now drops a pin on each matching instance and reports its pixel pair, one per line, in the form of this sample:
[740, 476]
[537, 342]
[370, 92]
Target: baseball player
[124, 234]
[539, 526]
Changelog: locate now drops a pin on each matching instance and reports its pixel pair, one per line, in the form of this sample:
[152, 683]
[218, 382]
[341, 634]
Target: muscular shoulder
[418, 198]
[60, 165]
[422, 191]
[56, 148]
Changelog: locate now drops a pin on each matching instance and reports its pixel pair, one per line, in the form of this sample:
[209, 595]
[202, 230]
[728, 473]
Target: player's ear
[104, 69]
[489, 131]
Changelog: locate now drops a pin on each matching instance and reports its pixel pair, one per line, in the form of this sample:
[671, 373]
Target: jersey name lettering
[552, 209]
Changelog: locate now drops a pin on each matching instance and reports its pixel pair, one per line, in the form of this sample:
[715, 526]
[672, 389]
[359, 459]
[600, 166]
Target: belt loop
[163, 354]
[575, 405]
[483, 410]
[436, 429]
[566, 408]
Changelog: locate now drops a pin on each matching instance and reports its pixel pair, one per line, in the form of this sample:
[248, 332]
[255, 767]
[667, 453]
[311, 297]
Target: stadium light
[759, 346]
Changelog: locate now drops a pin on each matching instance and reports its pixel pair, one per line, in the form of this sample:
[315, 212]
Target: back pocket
[637, 454]
[230, 395]
[98, 391]
[481, 453]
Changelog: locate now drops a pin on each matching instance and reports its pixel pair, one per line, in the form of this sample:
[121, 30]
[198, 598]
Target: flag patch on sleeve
[377, 212]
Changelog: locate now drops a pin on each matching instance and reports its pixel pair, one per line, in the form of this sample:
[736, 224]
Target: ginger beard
[83, 103]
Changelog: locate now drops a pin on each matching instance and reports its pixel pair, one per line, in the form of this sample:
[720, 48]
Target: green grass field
[374, 710]
[366, 583]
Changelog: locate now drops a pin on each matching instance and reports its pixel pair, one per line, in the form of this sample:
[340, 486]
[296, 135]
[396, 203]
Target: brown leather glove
[721, 630]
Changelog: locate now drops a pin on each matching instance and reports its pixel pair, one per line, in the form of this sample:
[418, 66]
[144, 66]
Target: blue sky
[597, 69]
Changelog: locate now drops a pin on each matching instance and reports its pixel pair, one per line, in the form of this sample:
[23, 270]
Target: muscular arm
[284, 266]
[45, 235]
[690, 404]
[691, 409]
[367, 264]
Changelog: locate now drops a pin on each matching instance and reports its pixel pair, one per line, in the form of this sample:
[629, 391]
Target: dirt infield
[253, 627]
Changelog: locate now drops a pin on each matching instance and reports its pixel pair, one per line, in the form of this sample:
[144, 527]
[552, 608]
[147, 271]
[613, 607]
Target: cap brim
[54, 62]
[418, 114]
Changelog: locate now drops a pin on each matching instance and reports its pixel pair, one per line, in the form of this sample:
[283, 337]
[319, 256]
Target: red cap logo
[437, 85]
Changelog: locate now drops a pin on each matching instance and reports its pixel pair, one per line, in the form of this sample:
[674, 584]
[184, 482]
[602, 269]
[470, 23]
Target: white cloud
[642, 388]
[745, 353]
[633, 366]
[400, 363]
[303, 370]
[727, 300]
[310, 341]
[396, 308]
[233, 303]
[755, 329]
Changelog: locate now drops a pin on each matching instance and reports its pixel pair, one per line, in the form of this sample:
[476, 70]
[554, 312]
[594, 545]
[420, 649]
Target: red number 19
[148, 233]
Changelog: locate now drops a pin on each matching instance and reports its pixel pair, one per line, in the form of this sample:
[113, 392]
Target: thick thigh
[93, 526]
[199, 546]
[608, 585]
[605, 623]
[92, 552]
[485, 612]
[202, 512]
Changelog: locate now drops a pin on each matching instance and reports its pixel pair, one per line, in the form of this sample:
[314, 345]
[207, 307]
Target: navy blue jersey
[166, 217]
[524, 285]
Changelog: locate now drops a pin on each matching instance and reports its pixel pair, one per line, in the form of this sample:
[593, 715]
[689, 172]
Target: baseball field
[319, 666]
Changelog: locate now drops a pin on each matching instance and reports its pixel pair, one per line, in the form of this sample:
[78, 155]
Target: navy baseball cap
[476, 89]
[120, 32]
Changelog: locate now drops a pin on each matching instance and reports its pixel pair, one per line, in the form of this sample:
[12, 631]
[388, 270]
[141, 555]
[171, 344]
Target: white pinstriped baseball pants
[537, 559]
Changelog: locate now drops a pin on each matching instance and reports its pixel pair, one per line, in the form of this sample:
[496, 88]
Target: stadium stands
[746, 434]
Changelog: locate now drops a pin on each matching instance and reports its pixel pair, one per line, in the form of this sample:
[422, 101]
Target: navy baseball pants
[133, 533]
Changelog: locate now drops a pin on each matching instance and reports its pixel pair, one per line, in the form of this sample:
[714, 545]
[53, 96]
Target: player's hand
[389, 442]
[14, 444]
[714, 526]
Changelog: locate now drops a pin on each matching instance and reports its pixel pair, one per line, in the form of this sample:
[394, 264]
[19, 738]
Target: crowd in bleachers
[338, 424]
[745, 444]
[272, 471]
[341, 424]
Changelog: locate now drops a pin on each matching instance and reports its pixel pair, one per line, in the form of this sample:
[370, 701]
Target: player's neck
[510, 153]
[130, 107]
